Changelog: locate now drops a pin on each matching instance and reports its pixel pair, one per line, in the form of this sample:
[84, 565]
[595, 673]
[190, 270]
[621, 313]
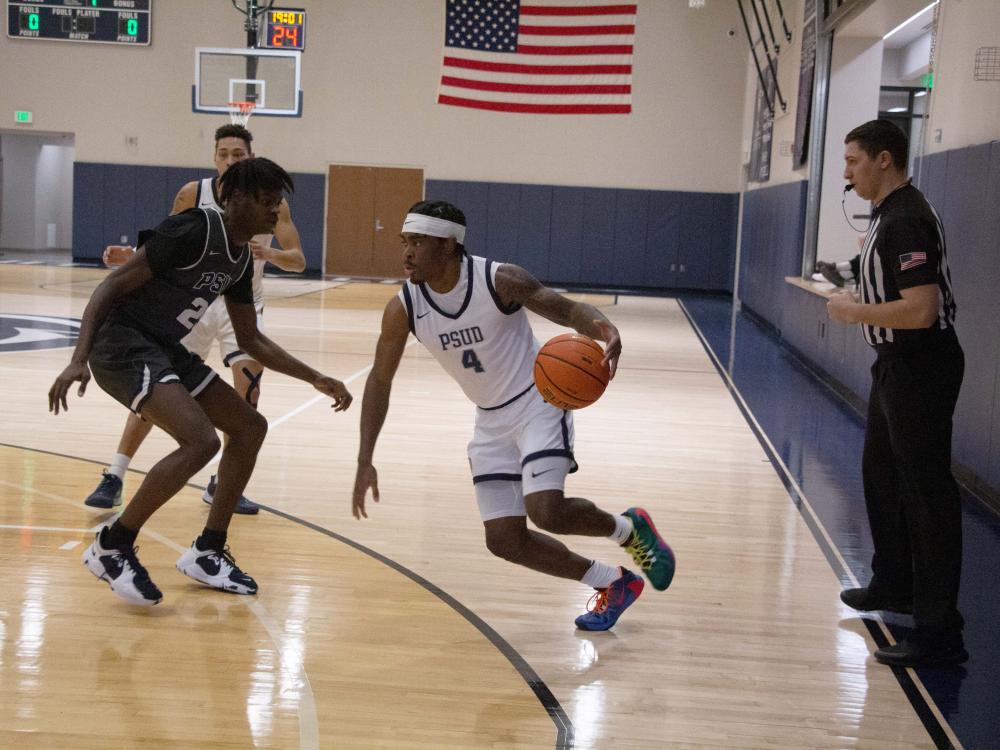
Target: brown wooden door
[395, 191]
[365, 210]
[349, 224]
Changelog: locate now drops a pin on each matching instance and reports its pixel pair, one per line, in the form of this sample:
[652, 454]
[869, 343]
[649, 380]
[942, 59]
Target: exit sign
[23, 117]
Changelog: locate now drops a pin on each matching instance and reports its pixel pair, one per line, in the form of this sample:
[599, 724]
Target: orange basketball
[569, 373]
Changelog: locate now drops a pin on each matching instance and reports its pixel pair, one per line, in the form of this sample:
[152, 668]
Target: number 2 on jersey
[470, 360]
[193, 314]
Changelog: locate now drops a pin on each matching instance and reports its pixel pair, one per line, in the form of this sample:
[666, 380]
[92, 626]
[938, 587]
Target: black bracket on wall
[761, 40]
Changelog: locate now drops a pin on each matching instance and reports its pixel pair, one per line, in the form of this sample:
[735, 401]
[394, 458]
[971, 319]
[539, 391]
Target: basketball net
[239, 112]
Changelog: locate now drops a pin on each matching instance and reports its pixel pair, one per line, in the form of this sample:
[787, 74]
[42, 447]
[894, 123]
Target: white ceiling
[882, 16]
[914, 28]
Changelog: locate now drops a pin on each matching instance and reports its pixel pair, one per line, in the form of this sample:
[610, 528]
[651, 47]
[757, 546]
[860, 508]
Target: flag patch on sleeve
[911, 260]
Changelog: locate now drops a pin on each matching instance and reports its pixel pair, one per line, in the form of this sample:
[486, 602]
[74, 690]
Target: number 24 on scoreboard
[285, 28]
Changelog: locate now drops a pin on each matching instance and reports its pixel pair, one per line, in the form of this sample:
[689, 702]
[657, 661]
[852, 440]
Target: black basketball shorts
[127, 363]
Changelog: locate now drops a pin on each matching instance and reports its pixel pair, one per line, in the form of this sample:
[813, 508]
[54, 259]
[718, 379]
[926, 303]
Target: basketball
[569, 373]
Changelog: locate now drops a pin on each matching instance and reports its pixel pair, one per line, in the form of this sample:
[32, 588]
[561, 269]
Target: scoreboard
[105, 21]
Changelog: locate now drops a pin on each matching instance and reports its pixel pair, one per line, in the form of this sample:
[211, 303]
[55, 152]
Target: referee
[907, 313]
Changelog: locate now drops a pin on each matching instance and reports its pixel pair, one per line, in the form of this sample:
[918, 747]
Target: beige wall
[966, 111]
[370, 74]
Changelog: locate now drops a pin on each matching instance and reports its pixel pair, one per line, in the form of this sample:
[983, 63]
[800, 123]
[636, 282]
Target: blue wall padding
[112, 200]
[771, 247]
[663, 237]
[631, 221]
[991, 241]
[534, 227]
[566, 236]
[599, 225]
[501, 222]
[963, 185]
[88, 211]
[601, 237]
[308, 205]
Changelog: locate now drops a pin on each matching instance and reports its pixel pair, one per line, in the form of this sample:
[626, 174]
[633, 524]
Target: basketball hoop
[239, 112]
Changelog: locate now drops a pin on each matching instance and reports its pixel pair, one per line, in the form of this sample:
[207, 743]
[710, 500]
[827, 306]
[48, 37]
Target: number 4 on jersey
[470, 360]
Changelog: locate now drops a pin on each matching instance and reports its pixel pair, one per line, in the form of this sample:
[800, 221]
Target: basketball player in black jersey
[130, 335]
[233, 143]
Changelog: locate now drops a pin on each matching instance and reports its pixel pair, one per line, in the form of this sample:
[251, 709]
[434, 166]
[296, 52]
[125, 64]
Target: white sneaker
[123, 572]
[215, 569]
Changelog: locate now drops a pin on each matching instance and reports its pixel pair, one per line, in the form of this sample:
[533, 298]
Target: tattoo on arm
[515, 286]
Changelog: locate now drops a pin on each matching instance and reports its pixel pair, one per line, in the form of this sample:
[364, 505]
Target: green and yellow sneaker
[649, 551]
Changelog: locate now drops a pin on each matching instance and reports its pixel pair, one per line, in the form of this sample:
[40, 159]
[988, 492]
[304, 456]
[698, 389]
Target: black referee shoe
[864, 600]
[915, 653]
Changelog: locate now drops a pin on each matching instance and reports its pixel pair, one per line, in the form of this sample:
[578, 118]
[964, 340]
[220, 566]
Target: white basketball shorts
[521, 448]
[215, 325]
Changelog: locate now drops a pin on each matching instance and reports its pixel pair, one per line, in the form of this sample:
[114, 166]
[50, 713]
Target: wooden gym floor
[402, 631]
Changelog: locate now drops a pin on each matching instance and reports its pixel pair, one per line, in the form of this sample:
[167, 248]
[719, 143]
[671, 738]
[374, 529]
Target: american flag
[909, 260]
[553, 57]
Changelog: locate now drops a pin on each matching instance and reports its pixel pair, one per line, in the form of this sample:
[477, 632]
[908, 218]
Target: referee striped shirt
[905, 248]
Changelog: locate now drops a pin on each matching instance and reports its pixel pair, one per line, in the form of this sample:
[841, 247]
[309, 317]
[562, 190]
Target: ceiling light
[904, 23]
[896, 109]
[921, 93]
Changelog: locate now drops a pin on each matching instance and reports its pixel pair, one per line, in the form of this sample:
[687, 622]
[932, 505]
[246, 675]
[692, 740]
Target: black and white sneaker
[108, 493]
[123, 572]
[216, 569]
[244, 506]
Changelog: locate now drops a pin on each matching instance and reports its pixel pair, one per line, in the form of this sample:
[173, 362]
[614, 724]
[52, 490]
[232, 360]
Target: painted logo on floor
[21, 333]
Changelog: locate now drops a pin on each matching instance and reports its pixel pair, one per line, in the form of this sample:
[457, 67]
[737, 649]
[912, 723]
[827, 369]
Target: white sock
[601, 575]
[119, 465]
[623, 529]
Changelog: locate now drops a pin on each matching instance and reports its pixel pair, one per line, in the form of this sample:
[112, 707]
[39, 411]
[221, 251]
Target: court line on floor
[23, 527]
[308, 722]
[926, 709]
[565, 731]
[564, 727]
[314, 400]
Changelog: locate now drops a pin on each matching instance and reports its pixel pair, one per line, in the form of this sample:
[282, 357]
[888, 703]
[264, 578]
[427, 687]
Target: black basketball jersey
[192, 265]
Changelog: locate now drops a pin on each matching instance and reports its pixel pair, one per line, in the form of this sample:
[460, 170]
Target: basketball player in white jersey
[233, 143]
[469, 313]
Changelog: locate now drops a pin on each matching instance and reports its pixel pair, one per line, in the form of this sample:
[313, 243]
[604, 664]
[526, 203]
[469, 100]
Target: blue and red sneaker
[607, 605]
[649, 551]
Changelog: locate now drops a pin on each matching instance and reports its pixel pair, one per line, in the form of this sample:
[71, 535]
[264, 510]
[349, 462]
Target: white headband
[433, 227]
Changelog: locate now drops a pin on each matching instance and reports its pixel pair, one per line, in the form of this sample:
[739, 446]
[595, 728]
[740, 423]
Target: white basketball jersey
[206, 199]
[489, 349]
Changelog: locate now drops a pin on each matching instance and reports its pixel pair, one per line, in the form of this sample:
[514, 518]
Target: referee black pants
[913, 501]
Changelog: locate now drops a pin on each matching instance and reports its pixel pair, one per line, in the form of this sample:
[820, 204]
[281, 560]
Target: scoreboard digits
[106, 21]
[283, 28]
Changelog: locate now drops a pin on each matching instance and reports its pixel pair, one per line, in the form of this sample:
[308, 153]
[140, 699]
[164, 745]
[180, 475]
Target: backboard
[269, 78]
